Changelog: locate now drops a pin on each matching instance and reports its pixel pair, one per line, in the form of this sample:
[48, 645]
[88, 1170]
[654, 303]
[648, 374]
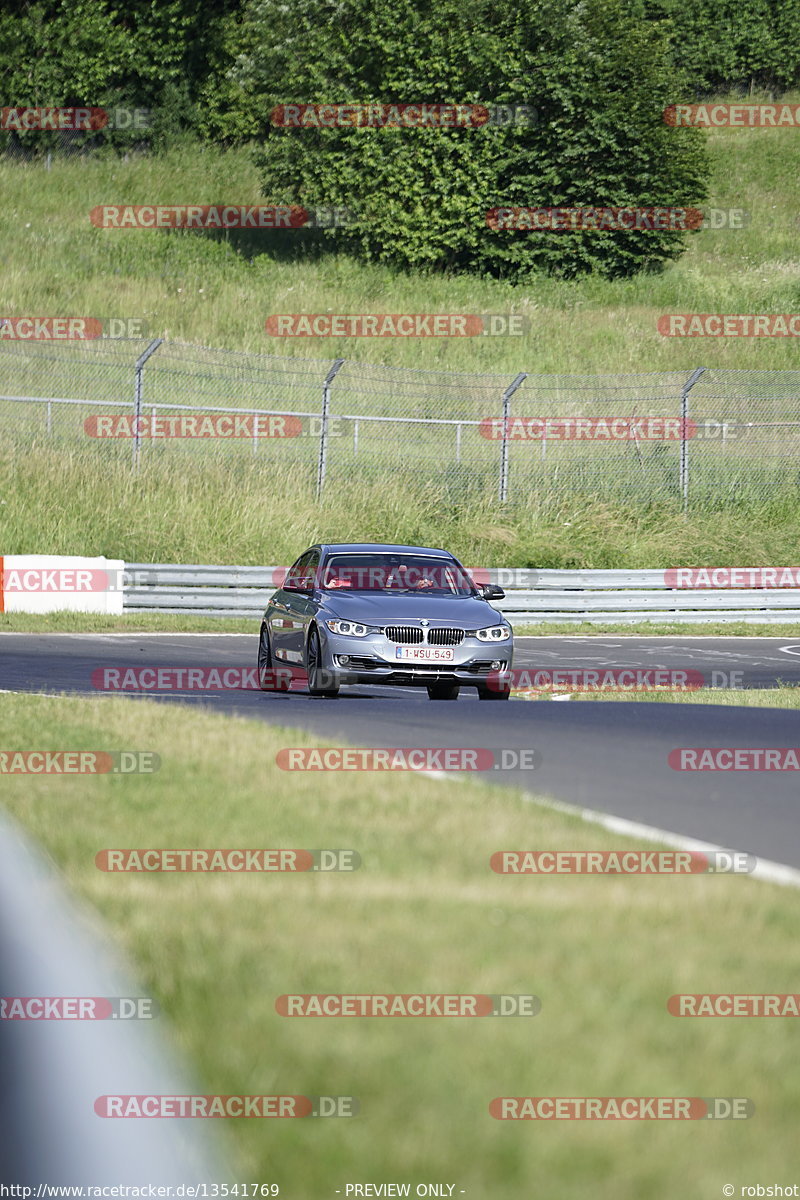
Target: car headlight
[495, 633]
[350, 628]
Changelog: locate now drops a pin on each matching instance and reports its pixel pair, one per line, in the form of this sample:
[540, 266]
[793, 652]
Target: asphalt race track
[608, 757]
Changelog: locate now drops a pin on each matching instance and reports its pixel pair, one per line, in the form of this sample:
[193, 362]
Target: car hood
[384, 609]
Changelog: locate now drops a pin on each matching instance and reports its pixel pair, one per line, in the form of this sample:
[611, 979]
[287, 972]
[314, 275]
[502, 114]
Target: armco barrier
[52, 1071]
[607, 597]
[43, 583]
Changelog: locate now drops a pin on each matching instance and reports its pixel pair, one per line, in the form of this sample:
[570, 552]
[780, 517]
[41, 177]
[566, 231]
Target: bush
[724, 44]
[598, 75]
[88, 53]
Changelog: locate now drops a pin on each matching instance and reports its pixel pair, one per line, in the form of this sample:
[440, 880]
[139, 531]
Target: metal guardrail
[53, 1071]
[532, 597]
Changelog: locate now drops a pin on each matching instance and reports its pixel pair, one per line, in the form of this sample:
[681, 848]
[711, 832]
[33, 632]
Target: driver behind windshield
[404, 576]
[375, 575]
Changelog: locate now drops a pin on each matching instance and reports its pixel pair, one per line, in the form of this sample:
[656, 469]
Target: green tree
[169, 56]
[597, 73]
[725, 44]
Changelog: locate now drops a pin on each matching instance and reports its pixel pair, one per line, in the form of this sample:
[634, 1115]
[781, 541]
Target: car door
[304, 606]
[284, 614]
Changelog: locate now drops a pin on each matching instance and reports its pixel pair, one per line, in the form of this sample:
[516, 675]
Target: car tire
[316, 673]
[265, 661]
[485, 693]
[443, 691]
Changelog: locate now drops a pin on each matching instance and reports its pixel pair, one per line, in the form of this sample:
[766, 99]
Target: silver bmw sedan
[379, 614]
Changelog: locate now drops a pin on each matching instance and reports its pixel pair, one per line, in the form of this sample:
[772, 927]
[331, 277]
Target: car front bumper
[375, 659]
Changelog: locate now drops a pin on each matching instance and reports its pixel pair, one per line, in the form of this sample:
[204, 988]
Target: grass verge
[69, 622]
[218, 288]
[64, 502]
[72, 622]
[424, 913]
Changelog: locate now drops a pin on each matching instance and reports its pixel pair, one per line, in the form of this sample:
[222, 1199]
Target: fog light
[344, 659]
[496, 665]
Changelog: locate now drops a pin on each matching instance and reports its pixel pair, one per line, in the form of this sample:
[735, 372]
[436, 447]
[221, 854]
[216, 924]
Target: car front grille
[405, 634]
[410, 635]
[445, 637]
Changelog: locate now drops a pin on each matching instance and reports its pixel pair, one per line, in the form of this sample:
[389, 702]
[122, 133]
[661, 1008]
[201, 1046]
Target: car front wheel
[265, 673]
[319, 680]
[485, 693]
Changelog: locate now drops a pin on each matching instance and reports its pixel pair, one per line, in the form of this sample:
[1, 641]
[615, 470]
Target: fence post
[137, 397]
[507, 394]
[684, 467]
[323, 433]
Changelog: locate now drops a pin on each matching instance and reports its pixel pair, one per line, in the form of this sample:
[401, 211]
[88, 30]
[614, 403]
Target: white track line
[770, 872]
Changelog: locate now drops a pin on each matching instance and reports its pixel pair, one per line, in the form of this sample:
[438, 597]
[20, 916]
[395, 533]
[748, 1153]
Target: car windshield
[413, 573]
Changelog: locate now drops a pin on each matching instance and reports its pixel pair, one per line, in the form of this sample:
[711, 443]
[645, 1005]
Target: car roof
[374, 547]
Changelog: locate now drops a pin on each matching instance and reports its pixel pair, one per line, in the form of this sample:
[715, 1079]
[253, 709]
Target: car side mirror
[305, 588]
[492, 591]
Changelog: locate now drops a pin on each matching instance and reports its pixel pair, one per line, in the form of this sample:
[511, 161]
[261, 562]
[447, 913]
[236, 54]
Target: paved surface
[608, 757]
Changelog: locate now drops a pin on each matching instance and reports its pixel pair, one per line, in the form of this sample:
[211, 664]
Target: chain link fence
[687, 435]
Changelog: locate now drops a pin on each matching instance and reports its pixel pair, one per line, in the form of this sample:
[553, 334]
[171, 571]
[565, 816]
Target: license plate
[424, 653]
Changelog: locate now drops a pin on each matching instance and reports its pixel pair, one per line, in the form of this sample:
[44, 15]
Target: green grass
[133, 622]
[424, 913]
[72, 622]
[68, 503]
[218, 290]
